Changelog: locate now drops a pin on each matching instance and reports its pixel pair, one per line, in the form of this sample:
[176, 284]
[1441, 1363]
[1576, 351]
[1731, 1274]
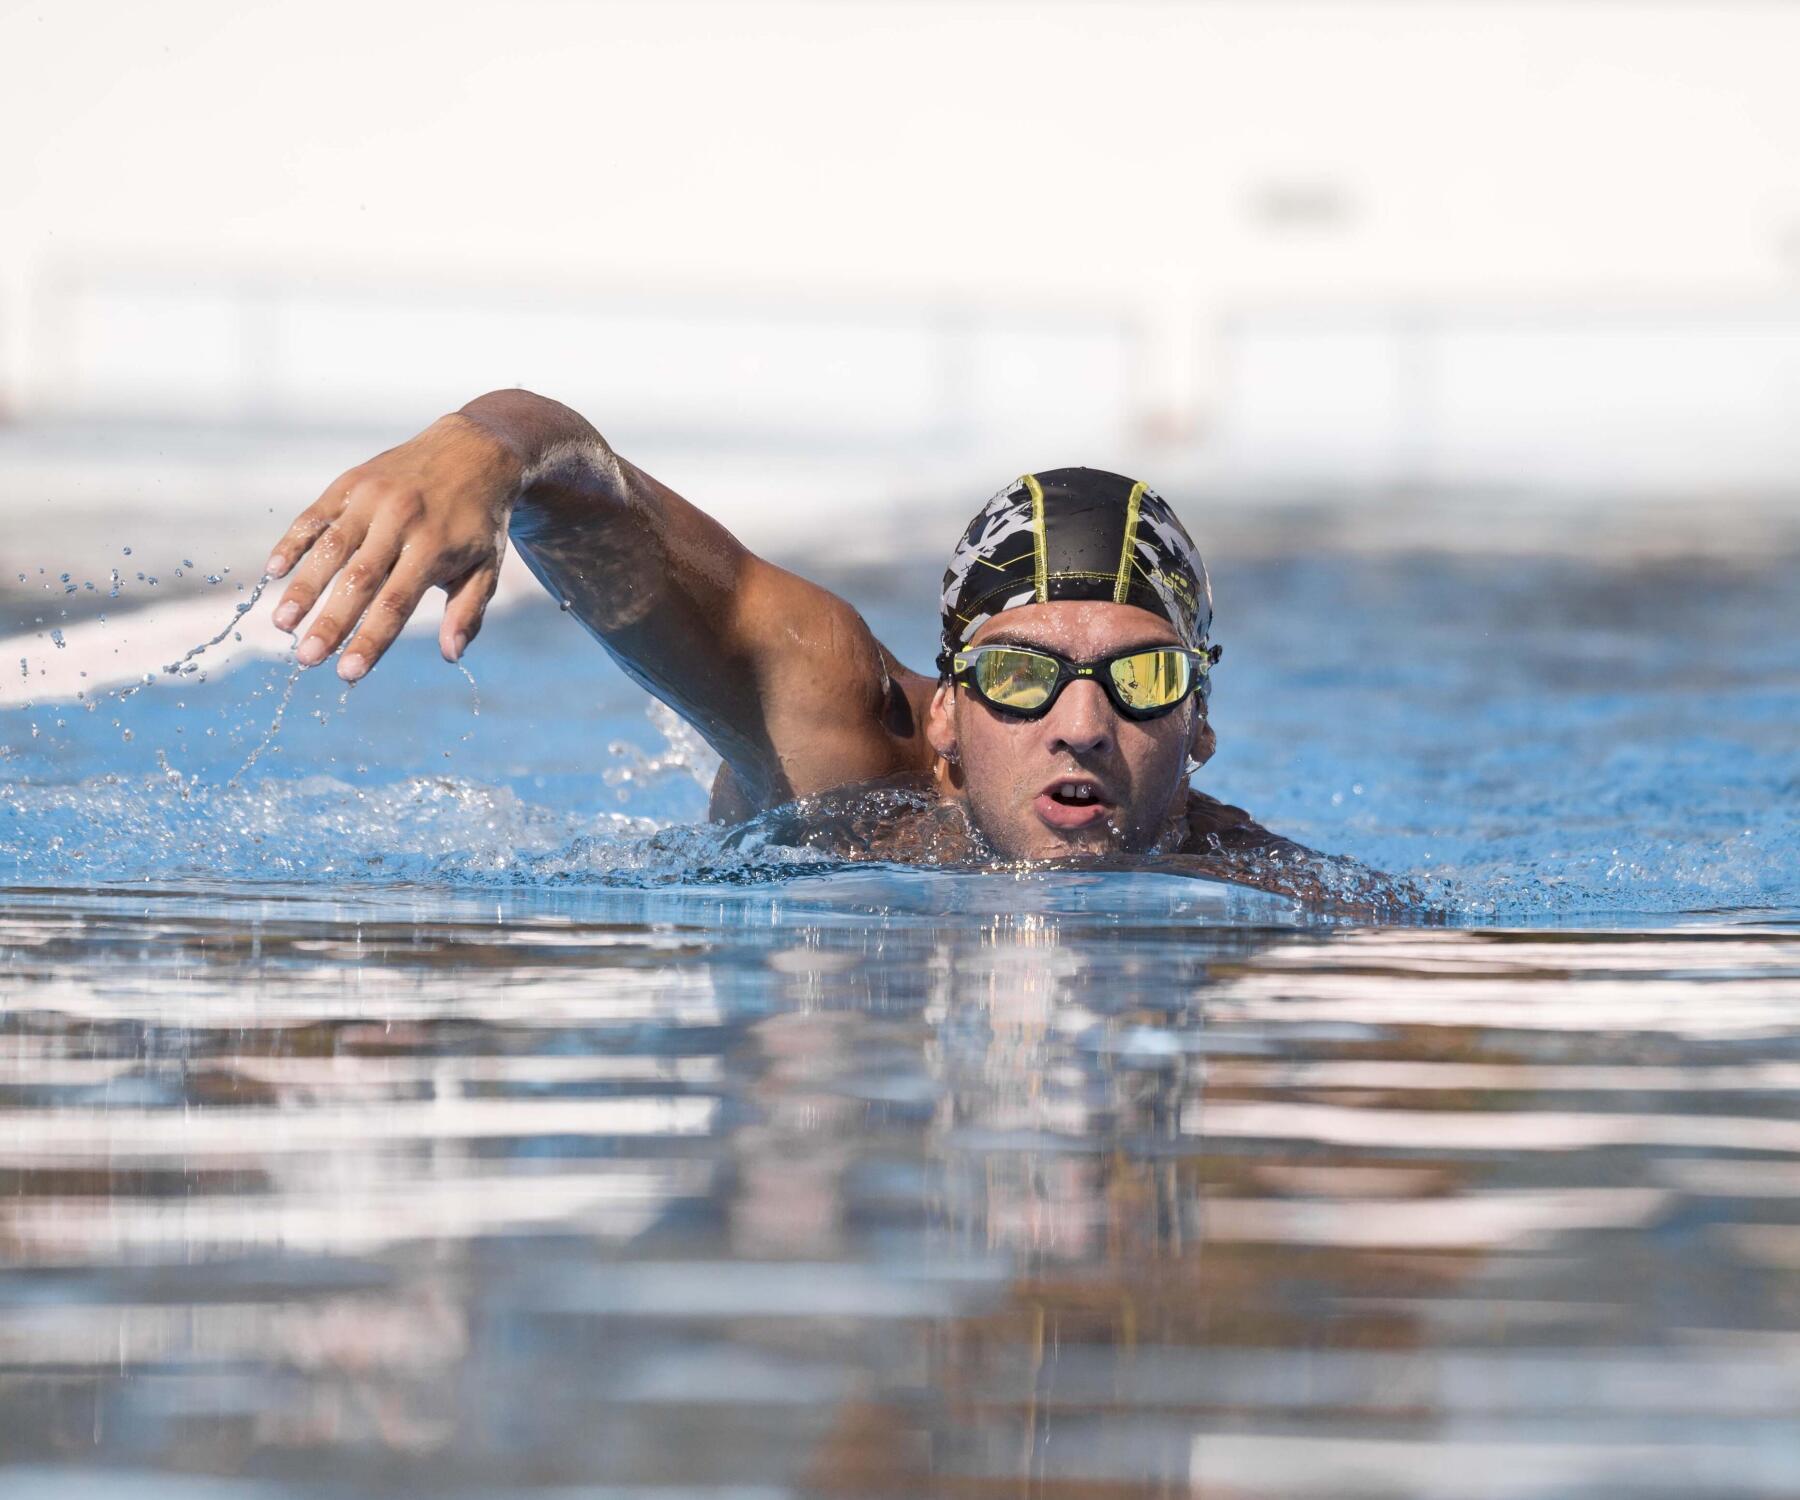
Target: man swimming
[1068, 710]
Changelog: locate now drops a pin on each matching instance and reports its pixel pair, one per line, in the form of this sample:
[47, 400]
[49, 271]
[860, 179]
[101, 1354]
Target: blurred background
[1457, 272]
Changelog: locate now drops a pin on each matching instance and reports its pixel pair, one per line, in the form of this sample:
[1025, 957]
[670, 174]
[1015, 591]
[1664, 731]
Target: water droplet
[56, 636]
[127, 551]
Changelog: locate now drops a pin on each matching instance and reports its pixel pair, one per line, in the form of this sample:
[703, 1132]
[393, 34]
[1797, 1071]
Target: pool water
[434, 1105]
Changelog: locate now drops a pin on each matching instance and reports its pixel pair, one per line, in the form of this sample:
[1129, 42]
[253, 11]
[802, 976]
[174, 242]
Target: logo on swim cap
[1075, 534]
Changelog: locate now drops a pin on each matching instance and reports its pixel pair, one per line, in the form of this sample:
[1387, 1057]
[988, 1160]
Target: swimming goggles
[1025, 683]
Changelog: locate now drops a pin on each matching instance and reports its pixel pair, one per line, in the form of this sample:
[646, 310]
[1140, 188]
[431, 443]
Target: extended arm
[780, 675]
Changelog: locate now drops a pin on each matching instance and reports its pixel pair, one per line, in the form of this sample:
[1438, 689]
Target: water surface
[432, 1106]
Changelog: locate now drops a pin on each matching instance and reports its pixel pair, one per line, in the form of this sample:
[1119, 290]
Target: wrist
[527, 426]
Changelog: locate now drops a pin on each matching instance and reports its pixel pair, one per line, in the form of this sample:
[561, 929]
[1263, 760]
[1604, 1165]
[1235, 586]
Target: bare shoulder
[1224, 842]
[1215, 827]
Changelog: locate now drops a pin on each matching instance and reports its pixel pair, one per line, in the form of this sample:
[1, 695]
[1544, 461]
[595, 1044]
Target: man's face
[1018, 774]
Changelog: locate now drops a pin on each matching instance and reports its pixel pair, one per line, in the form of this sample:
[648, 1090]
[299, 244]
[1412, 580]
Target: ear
[940, 721]
[1205, 742]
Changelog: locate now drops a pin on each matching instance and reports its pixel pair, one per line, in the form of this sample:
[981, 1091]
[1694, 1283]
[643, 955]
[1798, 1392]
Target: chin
[1036, 842]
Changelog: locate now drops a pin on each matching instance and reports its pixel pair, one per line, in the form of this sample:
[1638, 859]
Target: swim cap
[1075, 534]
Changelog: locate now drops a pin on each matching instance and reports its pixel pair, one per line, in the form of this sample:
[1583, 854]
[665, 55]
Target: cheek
[993, 747]
[1158, 747]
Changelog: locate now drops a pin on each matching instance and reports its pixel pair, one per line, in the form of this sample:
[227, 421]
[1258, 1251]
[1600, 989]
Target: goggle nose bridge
[960, 663]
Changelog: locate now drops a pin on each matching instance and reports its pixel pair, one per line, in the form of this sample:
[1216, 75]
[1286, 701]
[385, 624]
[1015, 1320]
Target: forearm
[567, 479]
[780, 675]
[651, 576]
[607, 540]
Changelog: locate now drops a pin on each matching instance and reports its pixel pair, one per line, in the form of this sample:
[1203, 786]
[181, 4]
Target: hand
[429, 513]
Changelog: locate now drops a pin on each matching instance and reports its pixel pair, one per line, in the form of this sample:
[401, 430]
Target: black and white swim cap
[1075, 534]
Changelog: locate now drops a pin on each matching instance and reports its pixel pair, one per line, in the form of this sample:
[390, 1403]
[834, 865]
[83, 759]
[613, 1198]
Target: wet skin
[1015, 776]
[782, 677]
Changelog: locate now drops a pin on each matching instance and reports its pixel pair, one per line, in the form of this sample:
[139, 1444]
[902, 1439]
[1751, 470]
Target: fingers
[308, 526]
[360, 582]
[331, 551]
[469, 597]
[382, 622]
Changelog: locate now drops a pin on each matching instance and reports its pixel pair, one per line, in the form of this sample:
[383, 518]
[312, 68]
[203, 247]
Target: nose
[1082, 722]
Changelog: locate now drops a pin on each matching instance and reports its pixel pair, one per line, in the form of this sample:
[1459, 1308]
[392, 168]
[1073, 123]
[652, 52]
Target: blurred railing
[1657, 392]
[1666, 393]
[787, 365]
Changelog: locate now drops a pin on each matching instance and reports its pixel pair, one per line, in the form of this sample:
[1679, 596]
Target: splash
[1538, 763]
[684, 753]
[268, 739]
[437, 829]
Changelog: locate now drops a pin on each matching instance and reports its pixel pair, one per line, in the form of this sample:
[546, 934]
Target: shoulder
[1215, 827]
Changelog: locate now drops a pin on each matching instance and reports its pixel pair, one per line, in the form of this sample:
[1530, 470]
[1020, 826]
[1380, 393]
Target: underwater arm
[780, 675]
[1225, 843]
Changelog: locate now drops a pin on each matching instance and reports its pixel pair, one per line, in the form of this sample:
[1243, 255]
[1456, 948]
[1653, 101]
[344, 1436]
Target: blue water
[433, 1104]
[1528, 739]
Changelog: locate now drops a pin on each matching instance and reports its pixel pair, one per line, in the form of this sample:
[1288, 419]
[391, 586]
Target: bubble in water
[127, 551]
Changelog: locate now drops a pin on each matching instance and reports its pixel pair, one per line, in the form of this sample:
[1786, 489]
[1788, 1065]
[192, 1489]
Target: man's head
[1084, 567]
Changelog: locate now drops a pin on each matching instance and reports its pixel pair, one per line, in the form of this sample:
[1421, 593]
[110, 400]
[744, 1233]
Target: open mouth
[1072, 802]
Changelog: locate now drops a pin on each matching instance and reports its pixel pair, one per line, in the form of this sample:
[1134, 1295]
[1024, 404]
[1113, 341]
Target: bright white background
[907, 248]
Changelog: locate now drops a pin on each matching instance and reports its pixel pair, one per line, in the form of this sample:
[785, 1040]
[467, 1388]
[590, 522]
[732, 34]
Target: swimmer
[1066, 714]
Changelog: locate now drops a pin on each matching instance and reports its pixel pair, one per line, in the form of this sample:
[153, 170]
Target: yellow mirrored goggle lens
[1152, 679]
[1015, 679]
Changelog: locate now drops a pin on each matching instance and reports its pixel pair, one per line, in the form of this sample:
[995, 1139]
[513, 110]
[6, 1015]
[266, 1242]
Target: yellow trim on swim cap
[1133, 504]
[1041, 573]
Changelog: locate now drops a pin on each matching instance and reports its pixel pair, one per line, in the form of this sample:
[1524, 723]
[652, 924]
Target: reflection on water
[871, 1186]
